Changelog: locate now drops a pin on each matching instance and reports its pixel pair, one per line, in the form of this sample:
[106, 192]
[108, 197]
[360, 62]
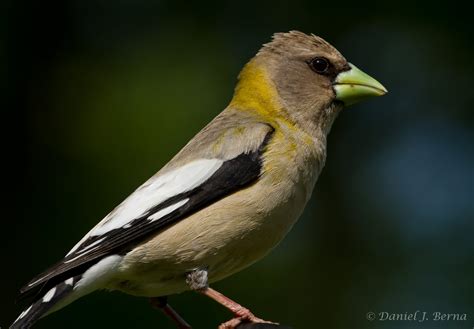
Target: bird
[227, 198]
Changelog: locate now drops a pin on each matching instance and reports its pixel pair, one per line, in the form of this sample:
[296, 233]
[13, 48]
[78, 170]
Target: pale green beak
[354, 85]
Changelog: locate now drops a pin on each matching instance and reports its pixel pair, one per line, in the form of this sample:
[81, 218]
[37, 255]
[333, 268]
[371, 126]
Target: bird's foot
[243, 315]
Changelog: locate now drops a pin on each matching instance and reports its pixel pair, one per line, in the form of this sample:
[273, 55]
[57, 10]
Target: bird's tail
[56, 298]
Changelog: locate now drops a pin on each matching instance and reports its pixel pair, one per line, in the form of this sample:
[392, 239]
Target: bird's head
[304, 76]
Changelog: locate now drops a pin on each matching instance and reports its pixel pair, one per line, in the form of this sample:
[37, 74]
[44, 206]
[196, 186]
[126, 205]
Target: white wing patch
[94, 245]
[167, 210]
[152, 193]
[22, 315]
[158, 190]
[49, 295]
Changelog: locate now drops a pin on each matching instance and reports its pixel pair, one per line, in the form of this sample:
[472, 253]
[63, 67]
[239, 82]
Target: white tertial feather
[35, 282]
[88, 247]
[153, 192]
[86, 250]
[24, 313]
[69, 281]
[167, 210]
[49, 295]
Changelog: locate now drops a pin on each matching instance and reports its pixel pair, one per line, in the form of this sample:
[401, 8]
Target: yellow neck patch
[255, 92]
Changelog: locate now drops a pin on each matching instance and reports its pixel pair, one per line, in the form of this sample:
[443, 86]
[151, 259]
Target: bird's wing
[185, 187]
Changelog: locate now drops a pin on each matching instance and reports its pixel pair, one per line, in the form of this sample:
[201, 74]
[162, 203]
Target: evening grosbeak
[227, 198]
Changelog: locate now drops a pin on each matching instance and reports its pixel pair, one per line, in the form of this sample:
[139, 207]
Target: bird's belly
[224, 238]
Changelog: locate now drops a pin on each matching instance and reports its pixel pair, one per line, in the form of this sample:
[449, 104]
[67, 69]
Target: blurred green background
[98, 95]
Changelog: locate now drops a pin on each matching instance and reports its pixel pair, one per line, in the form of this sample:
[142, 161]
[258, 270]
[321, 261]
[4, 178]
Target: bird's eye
[319, 65]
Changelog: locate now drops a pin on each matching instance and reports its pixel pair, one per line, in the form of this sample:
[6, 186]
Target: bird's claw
[243, 315]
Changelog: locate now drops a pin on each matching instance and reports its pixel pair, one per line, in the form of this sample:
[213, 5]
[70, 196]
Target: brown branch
[261, 326]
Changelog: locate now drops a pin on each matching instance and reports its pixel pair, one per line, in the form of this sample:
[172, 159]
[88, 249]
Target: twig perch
[261, 326]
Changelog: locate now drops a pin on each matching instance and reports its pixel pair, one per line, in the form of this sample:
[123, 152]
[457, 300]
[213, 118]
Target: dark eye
[319, 65]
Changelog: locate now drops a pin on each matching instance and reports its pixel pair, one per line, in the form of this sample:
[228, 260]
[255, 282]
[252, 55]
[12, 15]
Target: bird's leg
[197, 280]
[161, 303]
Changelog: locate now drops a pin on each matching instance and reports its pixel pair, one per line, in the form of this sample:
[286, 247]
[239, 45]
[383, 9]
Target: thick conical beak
[354, 85]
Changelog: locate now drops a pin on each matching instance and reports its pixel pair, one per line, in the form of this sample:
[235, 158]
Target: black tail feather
[44, 304]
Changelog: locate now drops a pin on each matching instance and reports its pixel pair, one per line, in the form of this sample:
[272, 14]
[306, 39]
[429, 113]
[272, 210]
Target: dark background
[98, 95]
